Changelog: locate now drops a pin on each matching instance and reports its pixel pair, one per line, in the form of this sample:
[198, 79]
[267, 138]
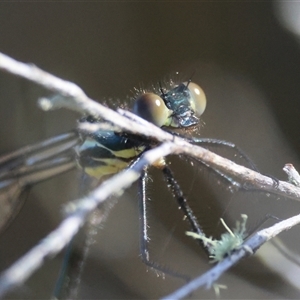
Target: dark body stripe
[106, 152]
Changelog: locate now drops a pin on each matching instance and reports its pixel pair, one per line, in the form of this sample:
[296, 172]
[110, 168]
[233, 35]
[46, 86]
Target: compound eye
[198, 98]
[152, 108]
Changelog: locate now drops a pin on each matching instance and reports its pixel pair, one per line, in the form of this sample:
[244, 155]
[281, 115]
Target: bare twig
[72, 97]
[75, 99]
[60, 237]
[40, 77]
[250, 246]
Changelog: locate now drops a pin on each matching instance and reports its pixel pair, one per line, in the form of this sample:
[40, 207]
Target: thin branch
[20, 271]
[40, 77]
[72, 97]
[75, 99]
[248, 248]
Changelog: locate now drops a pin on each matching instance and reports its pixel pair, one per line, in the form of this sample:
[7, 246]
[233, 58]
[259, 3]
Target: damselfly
[106, 152]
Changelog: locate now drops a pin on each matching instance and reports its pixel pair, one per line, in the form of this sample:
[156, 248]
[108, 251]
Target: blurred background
[246, 58]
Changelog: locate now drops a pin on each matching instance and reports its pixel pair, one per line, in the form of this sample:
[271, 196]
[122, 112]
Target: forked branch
[72, 97]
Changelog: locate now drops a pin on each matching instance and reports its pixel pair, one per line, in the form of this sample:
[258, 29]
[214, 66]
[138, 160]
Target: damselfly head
[179, 107]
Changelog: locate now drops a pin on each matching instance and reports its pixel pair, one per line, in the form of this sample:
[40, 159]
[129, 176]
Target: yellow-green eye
[198, 98]
[152, 108]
